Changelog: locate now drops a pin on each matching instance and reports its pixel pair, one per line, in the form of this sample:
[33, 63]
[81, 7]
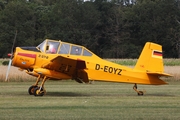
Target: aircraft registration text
[108, 69]
[43, 56]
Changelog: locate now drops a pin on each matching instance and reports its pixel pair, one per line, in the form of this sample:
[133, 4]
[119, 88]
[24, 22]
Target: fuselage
[35, 63]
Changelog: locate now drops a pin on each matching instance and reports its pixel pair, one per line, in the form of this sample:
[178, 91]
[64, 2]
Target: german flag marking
[157, 54]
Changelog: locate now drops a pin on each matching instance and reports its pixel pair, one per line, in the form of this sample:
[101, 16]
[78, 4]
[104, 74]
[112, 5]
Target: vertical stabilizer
[151, 59]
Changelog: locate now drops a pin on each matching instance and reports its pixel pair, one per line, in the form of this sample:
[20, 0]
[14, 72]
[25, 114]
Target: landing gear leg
[31, 88]
[40, 91]
[140, 93]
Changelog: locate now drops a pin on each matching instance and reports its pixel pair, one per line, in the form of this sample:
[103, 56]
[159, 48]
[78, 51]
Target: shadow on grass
[74, 94]
[161, 95]
[66, 94]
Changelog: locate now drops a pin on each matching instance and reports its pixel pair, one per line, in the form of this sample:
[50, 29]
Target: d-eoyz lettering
[108, 69]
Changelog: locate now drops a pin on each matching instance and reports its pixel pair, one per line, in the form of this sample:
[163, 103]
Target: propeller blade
[7, 73]
[11, 57]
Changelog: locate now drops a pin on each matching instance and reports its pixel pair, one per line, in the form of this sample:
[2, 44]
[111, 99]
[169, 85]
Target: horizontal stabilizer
[159, 74]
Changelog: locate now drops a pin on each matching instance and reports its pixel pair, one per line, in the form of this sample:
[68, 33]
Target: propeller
[11, 57]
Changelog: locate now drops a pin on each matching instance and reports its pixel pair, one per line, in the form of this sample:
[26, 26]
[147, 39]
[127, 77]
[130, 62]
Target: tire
[37, 92]
[140, 93]
[31, 90]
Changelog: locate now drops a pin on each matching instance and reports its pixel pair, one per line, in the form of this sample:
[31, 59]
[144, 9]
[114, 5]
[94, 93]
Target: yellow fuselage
[97, 68]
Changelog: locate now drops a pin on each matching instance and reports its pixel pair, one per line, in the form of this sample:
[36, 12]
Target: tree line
[110, 29]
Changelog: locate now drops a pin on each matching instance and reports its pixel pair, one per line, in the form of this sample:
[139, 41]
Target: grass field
[68, 100]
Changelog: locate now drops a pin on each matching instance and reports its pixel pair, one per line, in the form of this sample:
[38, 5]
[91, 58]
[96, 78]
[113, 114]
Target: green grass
[67, 100]
[3, 60]
[132, 62]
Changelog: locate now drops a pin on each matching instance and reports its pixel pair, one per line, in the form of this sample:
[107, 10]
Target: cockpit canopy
[59, 47]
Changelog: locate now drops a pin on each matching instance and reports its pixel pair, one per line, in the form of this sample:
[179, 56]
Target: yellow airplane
[57, 60]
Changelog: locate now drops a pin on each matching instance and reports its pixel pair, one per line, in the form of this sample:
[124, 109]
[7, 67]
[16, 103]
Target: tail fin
[151, 59]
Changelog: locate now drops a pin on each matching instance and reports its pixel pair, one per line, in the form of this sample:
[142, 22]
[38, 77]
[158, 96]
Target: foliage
[5, 62]
[115, 29]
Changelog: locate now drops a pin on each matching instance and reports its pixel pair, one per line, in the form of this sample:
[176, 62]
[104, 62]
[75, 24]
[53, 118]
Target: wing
[72, 67]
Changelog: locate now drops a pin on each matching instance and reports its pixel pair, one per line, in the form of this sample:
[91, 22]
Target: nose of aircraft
[11, 55]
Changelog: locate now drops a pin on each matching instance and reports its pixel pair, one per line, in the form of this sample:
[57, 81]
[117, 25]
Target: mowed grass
[68, 100]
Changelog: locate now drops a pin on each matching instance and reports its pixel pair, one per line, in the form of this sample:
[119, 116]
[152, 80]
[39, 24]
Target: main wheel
[38, 92]
[31, 90]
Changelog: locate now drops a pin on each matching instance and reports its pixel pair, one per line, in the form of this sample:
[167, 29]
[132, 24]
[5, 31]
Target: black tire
[36, 92]
[31, 90]
[140, 93]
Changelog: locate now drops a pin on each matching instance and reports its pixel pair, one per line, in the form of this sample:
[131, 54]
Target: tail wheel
[31, 90]
[140, 93]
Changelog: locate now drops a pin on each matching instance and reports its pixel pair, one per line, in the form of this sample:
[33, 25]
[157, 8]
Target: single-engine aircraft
[57, 60]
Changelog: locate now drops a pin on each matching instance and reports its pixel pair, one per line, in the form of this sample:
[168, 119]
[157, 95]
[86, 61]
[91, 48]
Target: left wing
[72, 67]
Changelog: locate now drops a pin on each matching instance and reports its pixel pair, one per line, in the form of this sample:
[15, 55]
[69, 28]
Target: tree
[15, 16]
[152, 21]
[117, 28]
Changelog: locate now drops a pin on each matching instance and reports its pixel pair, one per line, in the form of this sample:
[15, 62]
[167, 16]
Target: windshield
[52, 47]
[42, 46]
[49, 46]
[58, 47]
